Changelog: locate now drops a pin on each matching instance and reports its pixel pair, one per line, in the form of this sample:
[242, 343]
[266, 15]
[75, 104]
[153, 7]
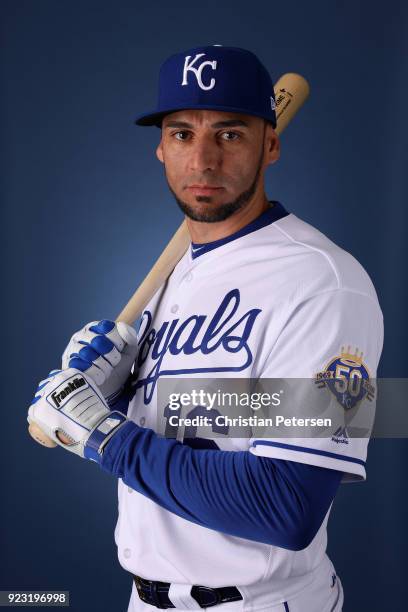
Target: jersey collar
[276, 212]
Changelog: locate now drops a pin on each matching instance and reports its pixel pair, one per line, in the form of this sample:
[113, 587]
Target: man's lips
[203, 189]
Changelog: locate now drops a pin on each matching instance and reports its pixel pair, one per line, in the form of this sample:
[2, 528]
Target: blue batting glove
[69, 403]
[105, 351]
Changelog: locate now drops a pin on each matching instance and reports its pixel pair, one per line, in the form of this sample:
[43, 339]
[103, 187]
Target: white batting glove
[68, 402]
[105, 351]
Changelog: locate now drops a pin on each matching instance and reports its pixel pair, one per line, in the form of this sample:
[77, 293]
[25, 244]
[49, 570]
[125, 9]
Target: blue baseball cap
[213, 78]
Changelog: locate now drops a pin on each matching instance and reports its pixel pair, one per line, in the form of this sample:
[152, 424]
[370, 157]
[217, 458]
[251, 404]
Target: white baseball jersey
[277, 299]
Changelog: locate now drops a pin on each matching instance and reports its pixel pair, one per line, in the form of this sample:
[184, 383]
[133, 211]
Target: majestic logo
[190, 67]
[340, 436]
[225, 334]
[67, 389]
[347, 377]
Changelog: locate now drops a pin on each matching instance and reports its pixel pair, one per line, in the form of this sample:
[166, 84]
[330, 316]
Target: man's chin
[206, 209]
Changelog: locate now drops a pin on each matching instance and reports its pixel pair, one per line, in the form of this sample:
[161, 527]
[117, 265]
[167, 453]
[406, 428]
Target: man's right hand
[105, 351]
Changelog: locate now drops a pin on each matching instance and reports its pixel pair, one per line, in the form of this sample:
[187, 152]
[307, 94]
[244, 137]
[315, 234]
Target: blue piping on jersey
[276, 212]
[305, 449]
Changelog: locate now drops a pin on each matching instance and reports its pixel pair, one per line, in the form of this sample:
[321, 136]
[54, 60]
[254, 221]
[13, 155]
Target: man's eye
[182, 135]
[229, 136]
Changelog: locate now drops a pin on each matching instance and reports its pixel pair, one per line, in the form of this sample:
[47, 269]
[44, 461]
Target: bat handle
[39, 436]
[42, 438]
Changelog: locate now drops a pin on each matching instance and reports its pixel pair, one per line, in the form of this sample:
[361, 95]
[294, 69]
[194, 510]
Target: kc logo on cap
[213, 77]
[198, 71]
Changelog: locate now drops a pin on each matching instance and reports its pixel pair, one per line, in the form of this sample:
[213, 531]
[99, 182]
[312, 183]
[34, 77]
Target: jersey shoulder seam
[322, 253]
[317, 295]
[339, 290]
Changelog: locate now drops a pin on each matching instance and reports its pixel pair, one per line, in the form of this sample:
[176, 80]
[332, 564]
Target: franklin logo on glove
[59, 395]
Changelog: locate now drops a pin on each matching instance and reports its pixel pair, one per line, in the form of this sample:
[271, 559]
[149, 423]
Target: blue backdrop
[86, 211]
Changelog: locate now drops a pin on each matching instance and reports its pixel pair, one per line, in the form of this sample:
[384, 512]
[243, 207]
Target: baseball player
[229, 522]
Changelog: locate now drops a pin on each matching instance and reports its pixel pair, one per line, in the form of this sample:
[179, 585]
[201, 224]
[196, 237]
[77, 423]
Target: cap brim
[152, 118]
[156, 118]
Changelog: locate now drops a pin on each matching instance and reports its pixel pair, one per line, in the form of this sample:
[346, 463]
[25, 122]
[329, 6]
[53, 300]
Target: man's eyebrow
[178, 124]
[230, 123]
[220, 124]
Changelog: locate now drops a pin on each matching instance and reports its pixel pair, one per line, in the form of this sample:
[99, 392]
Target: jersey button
[189, 277]
[127, 553]
[174, 308]
[142, 421]
[130, 490]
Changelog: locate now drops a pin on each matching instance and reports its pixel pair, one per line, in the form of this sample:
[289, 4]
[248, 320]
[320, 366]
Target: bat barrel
[291, 92]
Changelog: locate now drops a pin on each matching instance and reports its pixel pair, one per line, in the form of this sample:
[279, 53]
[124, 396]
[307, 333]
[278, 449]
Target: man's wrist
[108, 427]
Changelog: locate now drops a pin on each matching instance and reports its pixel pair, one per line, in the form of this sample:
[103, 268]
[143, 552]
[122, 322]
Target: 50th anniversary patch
[347, 377]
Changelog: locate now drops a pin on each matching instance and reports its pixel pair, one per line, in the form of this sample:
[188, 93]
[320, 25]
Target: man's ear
[272, 142]
[159, 152]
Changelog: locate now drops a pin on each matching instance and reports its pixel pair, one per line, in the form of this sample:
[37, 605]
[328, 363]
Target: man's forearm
[277, 502]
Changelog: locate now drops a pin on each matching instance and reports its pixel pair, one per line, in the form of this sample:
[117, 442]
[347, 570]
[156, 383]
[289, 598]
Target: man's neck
[201, 233]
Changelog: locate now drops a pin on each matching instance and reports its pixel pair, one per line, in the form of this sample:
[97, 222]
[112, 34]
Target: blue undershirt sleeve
[277, 502]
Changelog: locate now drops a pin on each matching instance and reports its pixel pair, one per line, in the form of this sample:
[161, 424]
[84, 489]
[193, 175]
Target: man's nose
[204, 155]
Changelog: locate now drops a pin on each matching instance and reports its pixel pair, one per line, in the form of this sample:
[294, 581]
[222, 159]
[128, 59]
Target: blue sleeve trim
[277, 502]
[305, 449]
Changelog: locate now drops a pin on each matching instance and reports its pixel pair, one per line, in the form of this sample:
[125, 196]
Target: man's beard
[223, 211]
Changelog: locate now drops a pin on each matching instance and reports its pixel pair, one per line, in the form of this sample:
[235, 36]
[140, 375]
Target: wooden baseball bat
[291, 92]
